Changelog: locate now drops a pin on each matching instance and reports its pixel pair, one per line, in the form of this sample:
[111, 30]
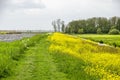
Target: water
[12, 37]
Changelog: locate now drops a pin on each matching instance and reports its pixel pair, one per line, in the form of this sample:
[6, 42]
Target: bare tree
[63, 26]
[54, 26]
[58, 24]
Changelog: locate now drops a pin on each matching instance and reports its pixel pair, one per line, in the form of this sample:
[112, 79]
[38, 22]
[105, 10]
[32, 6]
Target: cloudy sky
[38, 14]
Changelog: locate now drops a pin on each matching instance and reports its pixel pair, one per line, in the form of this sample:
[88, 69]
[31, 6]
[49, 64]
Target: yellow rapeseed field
[83, 59]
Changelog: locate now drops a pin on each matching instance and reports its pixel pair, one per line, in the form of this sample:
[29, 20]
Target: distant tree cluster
[95, 25]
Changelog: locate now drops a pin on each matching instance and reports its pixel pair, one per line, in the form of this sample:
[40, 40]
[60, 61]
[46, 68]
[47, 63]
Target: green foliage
[113, 27]
[80, 31]
[114, 44]
[3, 32]
[60, 57]
[92, 25]
[101, 42]
[10, 52]
[114, 31]
[37, 64]
[107, 39]
[99, 31]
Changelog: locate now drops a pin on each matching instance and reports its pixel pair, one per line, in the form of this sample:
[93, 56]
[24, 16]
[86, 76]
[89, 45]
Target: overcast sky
[38, 14]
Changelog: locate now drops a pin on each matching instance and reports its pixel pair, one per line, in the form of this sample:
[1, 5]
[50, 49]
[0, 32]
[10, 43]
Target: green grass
[11, 52]
[83, 59]
[58, 57]
[107, 39]
[37, 64]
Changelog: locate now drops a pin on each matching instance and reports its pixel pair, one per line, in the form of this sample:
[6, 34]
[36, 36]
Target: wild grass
[11, 52]
[60, 57]
[83, 59]
[113, 40]
[37, 64]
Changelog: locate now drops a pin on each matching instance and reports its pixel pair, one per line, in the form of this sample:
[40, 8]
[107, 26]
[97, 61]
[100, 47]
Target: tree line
[95, 25]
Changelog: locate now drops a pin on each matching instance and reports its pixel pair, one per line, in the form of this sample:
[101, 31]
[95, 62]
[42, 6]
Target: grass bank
[83, 59]
[37, 64]
[64, 57]
[113, 40]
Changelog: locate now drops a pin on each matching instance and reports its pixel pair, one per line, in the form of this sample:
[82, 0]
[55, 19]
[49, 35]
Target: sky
[38, 14]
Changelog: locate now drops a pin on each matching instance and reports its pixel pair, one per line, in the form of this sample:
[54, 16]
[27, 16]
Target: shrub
[80, 31]
[99, 31]
[114, 44]
[114, 31]
[101, 42]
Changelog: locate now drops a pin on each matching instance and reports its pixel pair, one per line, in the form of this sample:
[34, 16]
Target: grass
[58, 57]
[113, 40]
[84, 60]
[11, 52]
[37, 64]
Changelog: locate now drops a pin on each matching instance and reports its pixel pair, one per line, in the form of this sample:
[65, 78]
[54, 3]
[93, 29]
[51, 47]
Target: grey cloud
[2, 2]
[117, 1]
[116, 4]
[27, 4]
[30, 4]
[2, 5]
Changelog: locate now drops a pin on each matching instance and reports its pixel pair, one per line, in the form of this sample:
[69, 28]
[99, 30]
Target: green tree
[114, 31]
[113, 21]
[99, 31]
[118, 24]
[80, 31]
[92, 25]
[74, 26]
[113, 27]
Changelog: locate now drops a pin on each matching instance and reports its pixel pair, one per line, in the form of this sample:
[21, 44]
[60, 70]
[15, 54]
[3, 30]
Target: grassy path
[37, 64]
[69, 58]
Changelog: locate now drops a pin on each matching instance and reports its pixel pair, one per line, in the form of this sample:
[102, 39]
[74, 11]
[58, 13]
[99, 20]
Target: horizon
[39, 14]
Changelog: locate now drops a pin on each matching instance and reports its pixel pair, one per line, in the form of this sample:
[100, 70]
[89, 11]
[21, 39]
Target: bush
[101, 42]
[99, 31]
[114, 44]
[80, 31]
[114, 31]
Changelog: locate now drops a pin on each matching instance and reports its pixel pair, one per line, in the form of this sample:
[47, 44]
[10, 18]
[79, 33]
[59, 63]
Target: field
[58, 56]
[113, 40]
